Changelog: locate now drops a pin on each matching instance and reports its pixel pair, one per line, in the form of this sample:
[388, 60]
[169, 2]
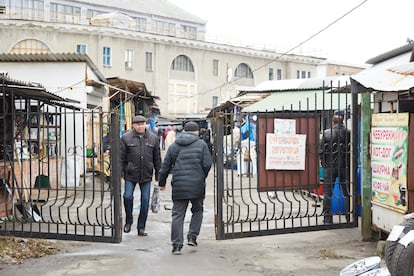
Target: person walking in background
[205, 135]
[170, 137]
[160, 132]
[335, 160]
[140, 156]
[189, 161]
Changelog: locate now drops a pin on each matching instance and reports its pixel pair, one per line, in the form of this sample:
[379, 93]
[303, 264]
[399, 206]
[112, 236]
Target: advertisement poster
[389, 143]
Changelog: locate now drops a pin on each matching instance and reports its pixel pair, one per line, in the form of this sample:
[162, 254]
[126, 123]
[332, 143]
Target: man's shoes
[127, 227]
[176, 250]
[192, 241]
[327, 221]
[142, 233]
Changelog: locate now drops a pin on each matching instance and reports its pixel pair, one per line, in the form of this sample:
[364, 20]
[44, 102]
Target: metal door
[267, 167]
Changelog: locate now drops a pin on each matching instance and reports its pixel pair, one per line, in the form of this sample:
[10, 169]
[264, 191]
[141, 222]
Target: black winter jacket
[335, 147]
[189, 161]
[140, 156]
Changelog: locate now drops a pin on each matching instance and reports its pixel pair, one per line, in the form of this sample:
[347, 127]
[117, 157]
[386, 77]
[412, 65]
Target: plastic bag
[155, 200]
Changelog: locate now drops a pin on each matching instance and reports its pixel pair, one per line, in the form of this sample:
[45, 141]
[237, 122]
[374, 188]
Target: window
[303, 74]
[270, 73]
[64, 13]
[165, 28]
[30, 46]
[26, 9]
[182, 63]
[243, 71]
[107, 58]
[297, 74]
[189, 32]
[148, 61]
[81, 48]
[141, 24]
[215, 101]
[92, 13]
[279, 74]
[215, 67]
[309, 75]
[129, 57]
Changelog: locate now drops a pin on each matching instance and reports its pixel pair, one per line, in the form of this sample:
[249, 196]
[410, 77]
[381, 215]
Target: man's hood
[184, 138]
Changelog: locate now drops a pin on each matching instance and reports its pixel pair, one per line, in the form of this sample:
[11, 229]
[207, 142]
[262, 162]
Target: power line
[291, 49]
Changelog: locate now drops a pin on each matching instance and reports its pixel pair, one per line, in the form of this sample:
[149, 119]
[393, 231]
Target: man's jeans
[129, 202]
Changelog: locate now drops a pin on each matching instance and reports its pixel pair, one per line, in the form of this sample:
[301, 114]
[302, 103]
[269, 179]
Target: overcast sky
[373, 28]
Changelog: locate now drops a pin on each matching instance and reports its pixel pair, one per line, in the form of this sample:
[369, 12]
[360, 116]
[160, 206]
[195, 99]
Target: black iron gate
[267, 166]
[56, 177]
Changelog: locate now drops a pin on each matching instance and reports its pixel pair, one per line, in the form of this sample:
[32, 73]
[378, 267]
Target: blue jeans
[145, 188]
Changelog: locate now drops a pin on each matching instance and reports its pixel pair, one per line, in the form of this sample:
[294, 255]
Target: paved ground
[313, 253]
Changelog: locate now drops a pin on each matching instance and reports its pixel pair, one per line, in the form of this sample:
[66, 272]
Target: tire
[390, 246]
[403, 260]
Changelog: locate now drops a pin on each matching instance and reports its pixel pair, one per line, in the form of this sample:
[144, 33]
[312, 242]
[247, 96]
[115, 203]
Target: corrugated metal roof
[301, 100]
[390, 54]
[30, 90]
[393, 75]
[241, 100]
[295, 84]
[161, 8]
[55, 57]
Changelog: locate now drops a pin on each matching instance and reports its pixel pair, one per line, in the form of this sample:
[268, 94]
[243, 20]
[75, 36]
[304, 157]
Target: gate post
[220, 176]
[116, 176]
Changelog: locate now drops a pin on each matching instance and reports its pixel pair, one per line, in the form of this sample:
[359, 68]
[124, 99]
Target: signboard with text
[389, 151]
[285, 152]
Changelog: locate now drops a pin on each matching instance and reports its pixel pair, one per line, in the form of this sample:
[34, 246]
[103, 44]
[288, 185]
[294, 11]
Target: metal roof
[393, 75]
[161, 8]
[244, 99]
[295, 84]
[33, 91]
[55, 57]
[300, 100]
[390, 54]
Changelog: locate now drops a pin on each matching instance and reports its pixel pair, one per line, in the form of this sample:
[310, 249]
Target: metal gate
[267, 167]
[56, 177]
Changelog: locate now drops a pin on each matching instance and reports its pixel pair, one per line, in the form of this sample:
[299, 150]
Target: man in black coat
[335, 160]
[189, 161]
[140, 156]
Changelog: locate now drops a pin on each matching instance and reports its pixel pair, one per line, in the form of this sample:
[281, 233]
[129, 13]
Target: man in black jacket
[140, 156]
[189, 161]
[335, 160]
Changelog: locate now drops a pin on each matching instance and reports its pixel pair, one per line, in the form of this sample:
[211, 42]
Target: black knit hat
[138, 119]
[191, 126]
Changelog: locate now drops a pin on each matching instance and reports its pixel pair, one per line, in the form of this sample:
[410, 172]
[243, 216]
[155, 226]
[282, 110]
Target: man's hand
[162, 188]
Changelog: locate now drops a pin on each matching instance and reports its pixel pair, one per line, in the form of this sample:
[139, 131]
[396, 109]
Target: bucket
[361, 267]
[338, 200]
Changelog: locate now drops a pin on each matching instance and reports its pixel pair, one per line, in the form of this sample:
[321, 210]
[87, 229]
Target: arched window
[30, 46]
[182, 63]
[243, 71]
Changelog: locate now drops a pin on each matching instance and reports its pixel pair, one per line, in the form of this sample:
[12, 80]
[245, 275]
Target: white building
[153, 42]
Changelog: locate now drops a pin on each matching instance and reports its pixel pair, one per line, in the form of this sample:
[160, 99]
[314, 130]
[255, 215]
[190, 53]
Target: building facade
[153, 42]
